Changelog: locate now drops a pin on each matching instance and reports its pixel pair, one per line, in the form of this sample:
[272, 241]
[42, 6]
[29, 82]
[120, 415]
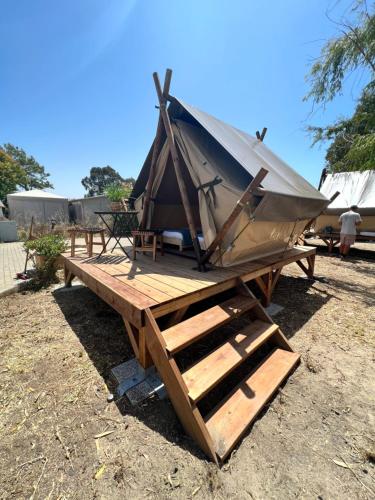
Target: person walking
[349, 222]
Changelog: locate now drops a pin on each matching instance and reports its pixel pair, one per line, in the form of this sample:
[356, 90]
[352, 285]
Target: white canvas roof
[356, 188]
[37, 193]
[253, 154]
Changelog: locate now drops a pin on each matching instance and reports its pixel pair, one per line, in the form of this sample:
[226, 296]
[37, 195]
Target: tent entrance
[168, 210]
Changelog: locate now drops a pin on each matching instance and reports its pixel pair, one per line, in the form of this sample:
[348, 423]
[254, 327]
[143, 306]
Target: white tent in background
[356, 188]
[41, 205]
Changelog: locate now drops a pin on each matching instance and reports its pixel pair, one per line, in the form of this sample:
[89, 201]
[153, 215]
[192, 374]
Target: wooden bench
[88, 233]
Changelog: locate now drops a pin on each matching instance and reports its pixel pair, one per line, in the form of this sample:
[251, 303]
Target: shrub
[116, 192]
[50, 247]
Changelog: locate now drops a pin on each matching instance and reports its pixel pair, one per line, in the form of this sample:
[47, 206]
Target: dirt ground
[60, 438]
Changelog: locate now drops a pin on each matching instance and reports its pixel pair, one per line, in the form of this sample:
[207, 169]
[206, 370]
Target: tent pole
[254, 184]
[155, 153]
[261, 136]
[176, 163]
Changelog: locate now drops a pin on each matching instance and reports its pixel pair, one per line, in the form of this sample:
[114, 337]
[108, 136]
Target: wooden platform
[143, 291]
[171, 283]
[333, 239]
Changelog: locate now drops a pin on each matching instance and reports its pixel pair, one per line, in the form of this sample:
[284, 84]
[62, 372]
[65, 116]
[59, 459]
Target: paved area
[12, 261]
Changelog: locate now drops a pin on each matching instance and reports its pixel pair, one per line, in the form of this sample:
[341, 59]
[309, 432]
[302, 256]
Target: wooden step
[185, 333]
[230, 419]
[211, 369]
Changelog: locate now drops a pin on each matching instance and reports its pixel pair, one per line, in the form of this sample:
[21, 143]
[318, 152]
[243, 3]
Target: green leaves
[353, 139]
[353, 48]
[17, 170]
[50, 245]
[99, 179]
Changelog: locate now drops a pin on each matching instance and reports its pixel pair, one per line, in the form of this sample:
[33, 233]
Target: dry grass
[315, 439]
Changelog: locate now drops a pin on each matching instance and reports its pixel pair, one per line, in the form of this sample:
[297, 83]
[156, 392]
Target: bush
[50, 247]
[116, 192]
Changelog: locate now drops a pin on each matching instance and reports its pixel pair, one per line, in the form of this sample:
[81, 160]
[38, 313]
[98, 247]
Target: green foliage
[116, 192]
[11, 175]
[99, 180]
[49, 246]
[352, 139]
[353, 48]
[31, 175]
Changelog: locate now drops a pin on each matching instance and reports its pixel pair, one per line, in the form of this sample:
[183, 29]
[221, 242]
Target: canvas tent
[217, 163]
[356, 188]
[41, 205]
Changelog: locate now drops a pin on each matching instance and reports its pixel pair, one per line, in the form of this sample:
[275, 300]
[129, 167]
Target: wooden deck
[144, 290]
[171, 284]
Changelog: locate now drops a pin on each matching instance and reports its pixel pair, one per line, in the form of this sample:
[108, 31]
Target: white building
[41, 205]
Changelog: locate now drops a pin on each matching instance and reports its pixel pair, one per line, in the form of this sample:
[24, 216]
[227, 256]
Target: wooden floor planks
[147, 284]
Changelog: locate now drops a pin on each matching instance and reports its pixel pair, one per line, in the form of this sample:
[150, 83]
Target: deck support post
[309, 270]
[254, 184]
[176, 163]
[267, 283]
[68, 277]
[137, 339]
[144, 358]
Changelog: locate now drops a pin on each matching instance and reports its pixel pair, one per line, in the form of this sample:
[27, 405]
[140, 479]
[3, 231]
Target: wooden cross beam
[176, 163]
[261, 136]
[251, 188]
[333, 197]
[155, 153]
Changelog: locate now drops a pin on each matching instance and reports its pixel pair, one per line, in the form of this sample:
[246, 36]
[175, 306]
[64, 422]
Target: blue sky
[76, 86]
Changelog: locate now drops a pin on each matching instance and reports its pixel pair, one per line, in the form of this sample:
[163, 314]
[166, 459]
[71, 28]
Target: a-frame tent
[356, 188]
[207, 176]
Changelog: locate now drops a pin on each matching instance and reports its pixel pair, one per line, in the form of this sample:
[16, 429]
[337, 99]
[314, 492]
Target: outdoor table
[123, 225]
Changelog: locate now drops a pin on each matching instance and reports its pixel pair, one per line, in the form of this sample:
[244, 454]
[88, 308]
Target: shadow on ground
[102, 334]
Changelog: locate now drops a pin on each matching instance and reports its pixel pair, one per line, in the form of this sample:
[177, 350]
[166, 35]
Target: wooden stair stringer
[261, 313]
[187, 411]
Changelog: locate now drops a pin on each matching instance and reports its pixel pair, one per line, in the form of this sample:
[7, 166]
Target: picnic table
[123, 223]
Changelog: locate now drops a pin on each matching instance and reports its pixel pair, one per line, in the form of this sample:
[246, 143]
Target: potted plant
[116, 194]
[47, 250]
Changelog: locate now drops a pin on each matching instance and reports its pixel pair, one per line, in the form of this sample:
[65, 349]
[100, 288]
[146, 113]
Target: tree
[11, 175]
[34, 176]
[99, 179]
[353, 139]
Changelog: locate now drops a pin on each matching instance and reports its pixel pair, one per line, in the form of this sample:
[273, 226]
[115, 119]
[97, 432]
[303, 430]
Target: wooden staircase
[229, 406]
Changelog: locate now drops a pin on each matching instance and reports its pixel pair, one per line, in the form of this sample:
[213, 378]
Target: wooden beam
[155, 153]
[261, 136]
[333, 197]
[235, 213]
[176, 163]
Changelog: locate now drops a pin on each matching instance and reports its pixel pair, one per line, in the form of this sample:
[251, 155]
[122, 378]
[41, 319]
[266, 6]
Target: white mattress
[367, 233]
[172, 234]
[176, 238]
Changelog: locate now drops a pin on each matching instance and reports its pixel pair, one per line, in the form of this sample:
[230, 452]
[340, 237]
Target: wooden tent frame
[164, 127]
